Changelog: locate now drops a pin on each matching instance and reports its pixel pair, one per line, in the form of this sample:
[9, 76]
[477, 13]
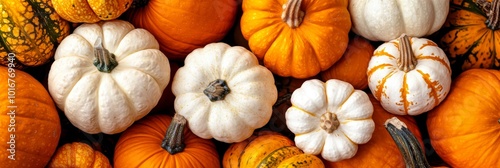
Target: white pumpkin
[409, 75]
[384, 20]
[107, 75]
[330, 118]
[223, 92]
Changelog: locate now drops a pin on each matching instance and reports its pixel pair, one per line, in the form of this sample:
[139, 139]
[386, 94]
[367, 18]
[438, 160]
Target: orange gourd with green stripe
[30, 30]
[409, 75]
[470, 34]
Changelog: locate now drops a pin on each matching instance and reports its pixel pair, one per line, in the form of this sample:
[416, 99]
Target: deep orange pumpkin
[141, 145]
[465, 128]
[381, 150]
[78, 154]
[300, 40]
[180, 26]
[352, 66]
[30, 122]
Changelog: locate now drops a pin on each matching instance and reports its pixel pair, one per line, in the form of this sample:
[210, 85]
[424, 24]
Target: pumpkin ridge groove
[270, 160]
[44, 19]
[380, 86]
[432, 86]
[435, 58]
[404, 92]
[129, 102]
[375, 68]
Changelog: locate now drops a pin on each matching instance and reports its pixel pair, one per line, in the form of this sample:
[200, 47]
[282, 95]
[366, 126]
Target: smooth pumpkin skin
[90, 11]
[31, 31]
[467, 40]
[37, 125]
[465, 128]
[302, 52]
[184, 25]
[381, 150]
[353, 64]
[140, 146]
[78, 154]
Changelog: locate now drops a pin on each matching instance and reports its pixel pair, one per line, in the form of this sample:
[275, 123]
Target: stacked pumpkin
[319, 84]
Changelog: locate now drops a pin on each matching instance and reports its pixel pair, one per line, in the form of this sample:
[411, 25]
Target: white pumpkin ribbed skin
[352, 107]
[413, 92]
[248, 105]
[384, 20]
[95, 101]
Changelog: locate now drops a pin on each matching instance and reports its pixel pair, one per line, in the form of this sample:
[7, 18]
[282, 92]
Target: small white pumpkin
[330, 118]
[223, 92]
[107, 75]
[409, 75]
[384, 20]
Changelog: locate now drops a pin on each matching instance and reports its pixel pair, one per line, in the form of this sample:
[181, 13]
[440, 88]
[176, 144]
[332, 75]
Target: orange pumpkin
[465, 128]
[268, 149]
[78, 154]
[29, 121]
[180, 26]
[352, 66]
[381, 150]
[90, 11]
[300, 40]
[145, 144]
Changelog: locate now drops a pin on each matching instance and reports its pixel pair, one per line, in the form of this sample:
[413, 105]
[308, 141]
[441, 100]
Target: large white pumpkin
[107, 75]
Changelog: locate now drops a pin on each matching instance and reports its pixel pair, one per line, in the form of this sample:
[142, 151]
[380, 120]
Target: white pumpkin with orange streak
[409, 75]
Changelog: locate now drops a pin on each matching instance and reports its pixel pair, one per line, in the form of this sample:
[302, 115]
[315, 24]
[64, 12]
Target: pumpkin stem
[104, 61]
[329, 122]
[407, 60]
[217, 90]
[174, 138]
[407, 143]
[492, 11]
[292, 14]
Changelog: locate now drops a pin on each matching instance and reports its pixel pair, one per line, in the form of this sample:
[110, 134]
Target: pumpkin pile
[250, 83]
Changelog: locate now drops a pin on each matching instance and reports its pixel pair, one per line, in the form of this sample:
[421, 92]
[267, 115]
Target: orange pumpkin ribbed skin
[465, 128]
[301, 52]
[180, 26]
[90, 11]
[78, 154]
[36, 122]
[140, 146]
[381, 150]
[352, 66]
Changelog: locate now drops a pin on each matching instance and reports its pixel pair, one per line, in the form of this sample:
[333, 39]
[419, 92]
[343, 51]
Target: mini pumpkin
[268, 149]
[409, 75]
[30, 31]
[223, 92]
[470, 34]
[330, 118]
[29, 120]
[296, 38]
[78, 154]
[464, 129]
[90, 11]
[160, 141]
[107, 75]
[386, 20]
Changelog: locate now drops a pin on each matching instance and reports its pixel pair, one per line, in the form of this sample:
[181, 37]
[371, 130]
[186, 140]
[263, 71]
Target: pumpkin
[268, 149]
[464, 129]
[299, 40]
[78, 154]
[409, 75]
[90, 11]
[381, 150]
[30, 32]
[386, 20]
[182, 26]
[160, 141]
[29, 121]
[469, 36]
[330, 118]
[352, 66]
[107, 75]
[224, 92]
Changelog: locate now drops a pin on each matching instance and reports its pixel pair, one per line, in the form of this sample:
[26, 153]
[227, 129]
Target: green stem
[104, 61]
[292, 15]
[174, 138]
[407, 143]
[217, 90]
